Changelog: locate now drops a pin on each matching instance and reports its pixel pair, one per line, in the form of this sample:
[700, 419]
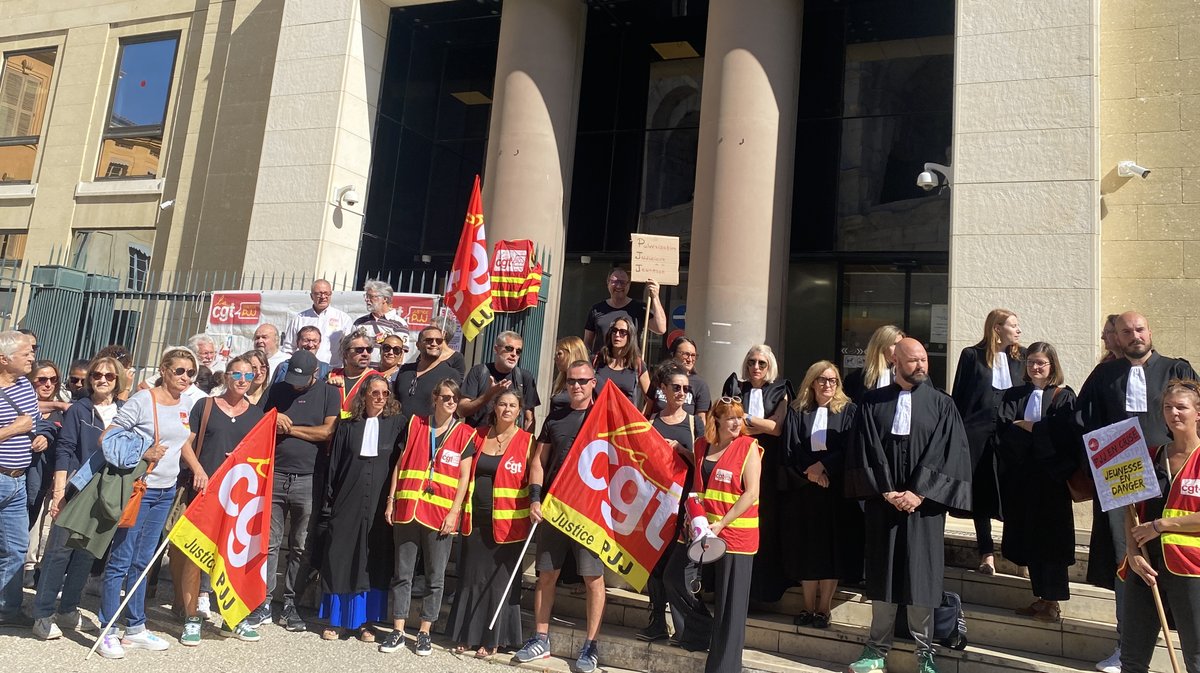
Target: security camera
[1128, 169]
[927, 180]
[165, 205]
[934, 176]
[348, 196]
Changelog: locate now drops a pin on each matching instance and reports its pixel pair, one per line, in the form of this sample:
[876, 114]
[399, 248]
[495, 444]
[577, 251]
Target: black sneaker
[392, 642]
[655, 630]
[291, 619]
[17, 619]
[424, 644]
[259, 616]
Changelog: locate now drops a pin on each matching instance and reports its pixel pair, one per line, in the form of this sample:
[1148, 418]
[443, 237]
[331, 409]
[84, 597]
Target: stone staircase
[999, 639]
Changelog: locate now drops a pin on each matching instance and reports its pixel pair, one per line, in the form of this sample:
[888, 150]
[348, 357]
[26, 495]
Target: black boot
[657, 628]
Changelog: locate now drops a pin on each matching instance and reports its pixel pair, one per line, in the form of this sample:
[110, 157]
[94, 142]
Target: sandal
[329, 634]
[1033, 608]
[1050, 612]
[366, 634]
[459, 650]
[484, 653]
[986, 569]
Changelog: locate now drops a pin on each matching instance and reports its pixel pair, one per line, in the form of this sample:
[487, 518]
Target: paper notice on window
[1120, 463]
[655, 258]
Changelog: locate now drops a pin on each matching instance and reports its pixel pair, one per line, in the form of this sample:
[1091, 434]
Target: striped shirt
[15, 452]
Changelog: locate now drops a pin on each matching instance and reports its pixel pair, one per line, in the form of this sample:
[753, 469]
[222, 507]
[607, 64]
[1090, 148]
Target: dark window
[24, 94]
[139, 268]
[133, 132]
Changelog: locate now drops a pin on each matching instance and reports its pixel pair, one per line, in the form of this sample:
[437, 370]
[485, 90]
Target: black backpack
[949, 623]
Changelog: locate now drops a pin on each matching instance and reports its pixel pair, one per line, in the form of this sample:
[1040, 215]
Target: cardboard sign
[1120, 464]
[655, 257]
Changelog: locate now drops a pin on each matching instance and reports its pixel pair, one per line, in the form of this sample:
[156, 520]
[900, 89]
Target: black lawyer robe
[977, 402]
[905, 553]
[359, 550]
[1039, 521]
[1102, 402]
[829, 524]
[769, 582]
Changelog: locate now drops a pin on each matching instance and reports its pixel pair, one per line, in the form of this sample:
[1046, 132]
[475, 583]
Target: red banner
[226, 529]
[618, 491]
[516, 279]
[469, 290]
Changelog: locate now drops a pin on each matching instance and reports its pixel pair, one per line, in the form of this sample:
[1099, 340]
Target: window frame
[36, 141]
[143, 130]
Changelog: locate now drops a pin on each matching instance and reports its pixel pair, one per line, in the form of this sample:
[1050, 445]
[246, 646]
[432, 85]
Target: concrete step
[1010, 592]
[962, 552]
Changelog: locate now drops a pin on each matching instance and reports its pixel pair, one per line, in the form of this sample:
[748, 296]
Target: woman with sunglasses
[65, 570]
[260, 366]
[620, 361]
[566, 350]
[356, 560]
[681, 429]
[729, 467]
[499, 497]
[217, 425]
[40, 473]
[819, 427]
[1036, 448]
[699, 399]
[765, 398]
[159, 412]
[425, 508]
[392, 350]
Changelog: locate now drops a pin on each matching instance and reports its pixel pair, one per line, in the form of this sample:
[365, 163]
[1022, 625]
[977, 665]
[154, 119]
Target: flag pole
[513, 576]
[129, 594]
[646, 325]
[1158, 604]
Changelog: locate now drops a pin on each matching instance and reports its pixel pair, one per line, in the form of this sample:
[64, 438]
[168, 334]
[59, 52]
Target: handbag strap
[208, 405]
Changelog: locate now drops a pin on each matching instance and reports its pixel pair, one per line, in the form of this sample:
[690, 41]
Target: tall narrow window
[24, 92]
[139, 268]
[133, 133]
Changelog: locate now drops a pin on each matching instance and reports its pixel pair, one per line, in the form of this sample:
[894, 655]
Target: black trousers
[1050, 581]
[724, 634]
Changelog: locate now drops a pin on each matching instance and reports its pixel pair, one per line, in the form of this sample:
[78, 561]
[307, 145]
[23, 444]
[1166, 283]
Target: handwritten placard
[1120, 464]
[655, 257]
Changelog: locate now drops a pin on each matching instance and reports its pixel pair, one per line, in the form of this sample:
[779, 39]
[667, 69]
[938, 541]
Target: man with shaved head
[909, 463]
[1130, 386]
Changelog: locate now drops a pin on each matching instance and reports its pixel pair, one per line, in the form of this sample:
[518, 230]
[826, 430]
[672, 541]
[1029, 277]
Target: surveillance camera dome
[927, 180]
[351, 198]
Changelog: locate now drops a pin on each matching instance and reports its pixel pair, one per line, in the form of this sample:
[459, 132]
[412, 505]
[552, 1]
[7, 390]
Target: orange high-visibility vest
[1181, 551]
[510, 487]
[723, 490]
[426, 495]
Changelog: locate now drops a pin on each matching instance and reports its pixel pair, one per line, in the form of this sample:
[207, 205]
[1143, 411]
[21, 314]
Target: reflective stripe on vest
[412, 500]
[510, 492]
[1181, 551]
[741, 535]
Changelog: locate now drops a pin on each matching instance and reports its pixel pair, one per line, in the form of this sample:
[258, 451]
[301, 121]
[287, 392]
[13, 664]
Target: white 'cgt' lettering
[238, 543]
[643, 493]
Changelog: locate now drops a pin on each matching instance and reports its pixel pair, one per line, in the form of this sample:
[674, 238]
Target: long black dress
[1039, 521]
[769, 581]
[906, 552]
[977, 402]
[829, 524]
[358, 557]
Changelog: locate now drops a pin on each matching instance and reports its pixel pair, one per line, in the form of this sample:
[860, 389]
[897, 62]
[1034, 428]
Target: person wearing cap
[308, 408]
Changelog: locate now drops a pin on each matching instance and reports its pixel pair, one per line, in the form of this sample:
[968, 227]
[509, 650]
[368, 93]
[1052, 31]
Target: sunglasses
[579, 382]
[757, 363]
[183, 371]
[826, 381]
[620, 331]
[379, 394]
[392, 349]
[432, 341]
[512, 349]
[446, 399]
[359, 350]
[43, 380]
[241, 376]
[100, 376]
[78, 381]
[731, 400]
[680, 388]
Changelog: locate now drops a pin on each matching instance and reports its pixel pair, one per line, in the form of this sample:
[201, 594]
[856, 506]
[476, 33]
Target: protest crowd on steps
[393, 461]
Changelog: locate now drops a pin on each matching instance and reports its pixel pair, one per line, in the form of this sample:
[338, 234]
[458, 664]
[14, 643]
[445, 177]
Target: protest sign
[655, 258]
[1120, 464]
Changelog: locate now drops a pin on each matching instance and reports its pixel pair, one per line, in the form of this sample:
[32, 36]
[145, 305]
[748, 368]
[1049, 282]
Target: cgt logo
[235, 308]
[1189, 486]
[242, 506]
[513, 466]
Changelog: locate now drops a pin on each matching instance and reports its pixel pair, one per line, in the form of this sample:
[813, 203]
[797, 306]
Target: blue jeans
[129, 555]
[63, 569]
[14, 541]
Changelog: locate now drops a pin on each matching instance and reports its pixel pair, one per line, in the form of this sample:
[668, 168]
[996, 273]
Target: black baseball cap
[300, 368]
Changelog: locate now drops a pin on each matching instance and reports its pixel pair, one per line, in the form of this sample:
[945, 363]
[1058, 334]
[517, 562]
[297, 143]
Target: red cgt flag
[469, 290]
[618, 490]
[225, 530]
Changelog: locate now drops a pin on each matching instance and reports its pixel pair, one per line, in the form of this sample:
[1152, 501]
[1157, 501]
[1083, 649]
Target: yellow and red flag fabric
[516, 277]
[469, 290]
[227, 528]
[617, 492]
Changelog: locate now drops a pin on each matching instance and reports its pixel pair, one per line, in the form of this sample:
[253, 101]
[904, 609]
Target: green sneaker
[191, 632]
[870, 661]
[925, 663]
[243, 631]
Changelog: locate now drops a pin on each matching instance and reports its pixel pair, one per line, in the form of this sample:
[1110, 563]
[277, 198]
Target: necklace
[512, 432]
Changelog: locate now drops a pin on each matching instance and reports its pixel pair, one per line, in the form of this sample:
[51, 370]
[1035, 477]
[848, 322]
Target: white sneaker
[45, 629]
[1112, 664]
[110, 647]
[144, 640]
[202, 605]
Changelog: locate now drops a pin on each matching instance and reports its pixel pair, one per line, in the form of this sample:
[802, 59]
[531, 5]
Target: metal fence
[75, 312]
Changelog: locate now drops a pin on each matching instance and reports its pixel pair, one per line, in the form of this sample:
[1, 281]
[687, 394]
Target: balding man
[333, 323]
[266, 339]
[909, 463]
[1129, 386]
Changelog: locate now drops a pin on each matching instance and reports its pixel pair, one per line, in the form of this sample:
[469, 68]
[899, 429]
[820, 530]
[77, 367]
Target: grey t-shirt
[173, 431]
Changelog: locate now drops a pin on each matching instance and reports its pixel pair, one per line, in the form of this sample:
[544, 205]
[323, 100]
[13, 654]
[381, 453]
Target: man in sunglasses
[620, 305]
[415, 381]
[553, 547]
[356, 348]
[333, 323]
[485, 381]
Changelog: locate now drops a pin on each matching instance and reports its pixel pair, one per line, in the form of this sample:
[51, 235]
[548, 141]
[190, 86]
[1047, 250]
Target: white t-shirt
[173, 431]
[333, 323]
